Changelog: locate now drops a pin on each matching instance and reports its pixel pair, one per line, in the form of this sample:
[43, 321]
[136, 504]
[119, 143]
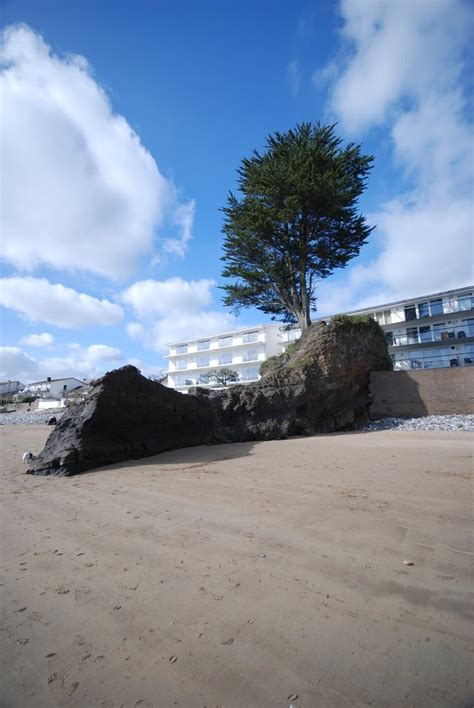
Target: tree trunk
[304, 319]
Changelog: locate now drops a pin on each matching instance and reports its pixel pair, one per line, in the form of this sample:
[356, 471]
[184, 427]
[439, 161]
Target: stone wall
[408, 394]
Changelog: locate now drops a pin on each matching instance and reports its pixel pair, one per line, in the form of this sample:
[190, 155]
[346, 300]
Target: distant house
[10, 387]
[53, 388]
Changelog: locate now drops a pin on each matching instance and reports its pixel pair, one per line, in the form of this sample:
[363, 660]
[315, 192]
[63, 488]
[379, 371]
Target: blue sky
[123, 125]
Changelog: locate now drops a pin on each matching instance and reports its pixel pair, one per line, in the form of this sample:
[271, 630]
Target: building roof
[406, 300]
[250, 328]
[348, 312]
[64, 378]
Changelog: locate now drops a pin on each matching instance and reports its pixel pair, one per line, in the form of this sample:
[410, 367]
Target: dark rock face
[125, 417]
[322, 386]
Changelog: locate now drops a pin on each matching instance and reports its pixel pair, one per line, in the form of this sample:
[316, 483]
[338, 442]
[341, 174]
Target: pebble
[450, 423]
[31, 417]
[408, 563]
[173, 659]
[432, 422]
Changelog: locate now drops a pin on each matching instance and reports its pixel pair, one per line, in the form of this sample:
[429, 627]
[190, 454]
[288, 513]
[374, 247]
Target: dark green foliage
[360, 321]
[295, 221]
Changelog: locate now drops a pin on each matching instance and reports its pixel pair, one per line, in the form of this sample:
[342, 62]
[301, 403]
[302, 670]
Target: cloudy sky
[121, 133]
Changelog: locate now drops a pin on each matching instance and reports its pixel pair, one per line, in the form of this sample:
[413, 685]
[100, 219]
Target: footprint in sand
[73, 688]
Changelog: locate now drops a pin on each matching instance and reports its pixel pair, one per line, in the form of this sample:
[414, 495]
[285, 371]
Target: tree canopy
[222, 376]
[296, 220]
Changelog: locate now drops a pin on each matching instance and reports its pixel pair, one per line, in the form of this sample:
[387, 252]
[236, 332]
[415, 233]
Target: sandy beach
[256, 575]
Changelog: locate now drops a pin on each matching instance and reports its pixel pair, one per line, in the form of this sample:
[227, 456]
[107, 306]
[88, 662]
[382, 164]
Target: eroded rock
[321, 386]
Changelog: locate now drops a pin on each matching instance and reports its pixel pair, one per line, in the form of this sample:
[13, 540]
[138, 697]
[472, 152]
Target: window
[465, 302]
[436, 307]
[423, 309]
[468, 326]
[410, 313]
[425, 334]
[182, 349]
[379, 317]
[250, 374]
[387, 316]
[412, 335]
[205, 344]
[438, 331]
[250, 355]
[203, 361]
[225, 358]
[389, 338]
[225, 342]
[249, 337]
[181, 364]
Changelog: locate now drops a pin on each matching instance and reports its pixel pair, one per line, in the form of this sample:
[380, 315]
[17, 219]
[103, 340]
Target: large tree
[295, 221]
[222, 376]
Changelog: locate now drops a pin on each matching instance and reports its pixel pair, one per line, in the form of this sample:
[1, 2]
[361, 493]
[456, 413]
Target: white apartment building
[427, 332]
[241, 350]
[430, 331]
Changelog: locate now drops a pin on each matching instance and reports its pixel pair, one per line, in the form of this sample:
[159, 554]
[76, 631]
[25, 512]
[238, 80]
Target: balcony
[438, 334]
[437, 307]
[443, 361]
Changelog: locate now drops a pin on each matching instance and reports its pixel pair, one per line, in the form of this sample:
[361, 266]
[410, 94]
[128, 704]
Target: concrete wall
[415, 393]
[43, 404]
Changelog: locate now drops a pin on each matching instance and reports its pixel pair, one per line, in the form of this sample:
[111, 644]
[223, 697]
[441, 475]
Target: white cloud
[136, 331]
[17, 365]
[38, 300]
[88, 362]
[293, 73]
[404, 74]
[180, 327]
[183, 218]
[172, 310]
[400, 49]
[322, 77]
[155, 297]
[80, 190]
[38, 340]
[102, 352]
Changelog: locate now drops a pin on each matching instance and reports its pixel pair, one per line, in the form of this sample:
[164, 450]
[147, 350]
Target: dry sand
[268, 570]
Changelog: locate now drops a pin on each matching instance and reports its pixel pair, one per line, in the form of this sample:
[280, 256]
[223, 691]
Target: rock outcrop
[126, 416]
[321, 385]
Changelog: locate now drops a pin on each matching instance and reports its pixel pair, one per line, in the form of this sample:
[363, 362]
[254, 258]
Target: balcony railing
[435, 308]
[444, 361]
[438, 334]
